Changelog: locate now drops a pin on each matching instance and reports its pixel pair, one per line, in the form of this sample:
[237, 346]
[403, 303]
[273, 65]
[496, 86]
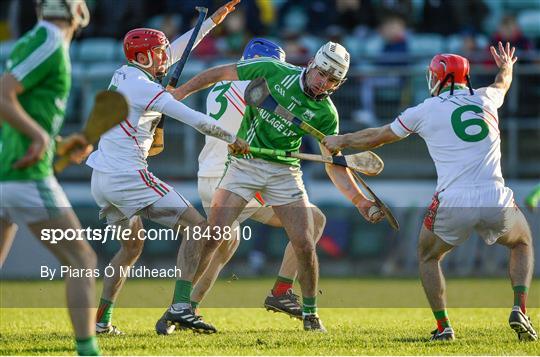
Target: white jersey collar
[150, 77]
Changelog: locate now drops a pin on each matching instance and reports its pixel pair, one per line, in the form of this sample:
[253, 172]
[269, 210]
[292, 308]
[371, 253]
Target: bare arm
[341, 178]
[362, 140]
[205, 79]
[13, 113]
[505, 61]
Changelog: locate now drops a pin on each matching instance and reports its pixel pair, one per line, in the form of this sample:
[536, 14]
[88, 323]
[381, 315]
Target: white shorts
[123, 195]
[456, 212]
[255, 209]
[279, 184]
[26, 202]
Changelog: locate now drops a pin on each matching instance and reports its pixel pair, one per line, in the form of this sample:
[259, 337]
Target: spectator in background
[318, 14]
[350, 14]
[525, 103]
[234, 35]
[169, 24]
[438, 17]
[509, 31]
[446, 16]
[471, 49]
[469, 15]
[115, 18]
[394, 8]
[297, 52]
[394, 51]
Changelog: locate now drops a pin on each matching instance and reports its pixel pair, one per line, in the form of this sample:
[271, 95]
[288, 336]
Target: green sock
[182, 292]
[442, 319]
[87, 346]
[105, 310]
[194, 304]
[520, 297]
[309, 305]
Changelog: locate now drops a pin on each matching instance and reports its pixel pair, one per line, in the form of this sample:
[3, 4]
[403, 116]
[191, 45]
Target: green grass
[253, 331]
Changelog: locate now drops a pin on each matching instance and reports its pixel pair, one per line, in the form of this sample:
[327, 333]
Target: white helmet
[333, 59]
[69, 10]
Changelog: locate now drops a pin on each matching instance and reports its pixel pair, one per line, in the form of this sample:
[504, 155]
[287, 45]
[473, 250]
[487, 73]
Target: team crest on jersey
[308, 115]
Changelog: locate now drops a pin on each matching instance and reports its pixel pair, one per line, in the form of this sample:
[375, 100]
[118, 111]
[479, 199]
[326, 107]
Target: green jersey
[263, 129]
[40, 62]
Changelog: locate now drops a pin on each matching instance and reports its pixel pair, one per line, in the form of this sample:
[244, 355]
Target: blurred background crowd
[391, 43]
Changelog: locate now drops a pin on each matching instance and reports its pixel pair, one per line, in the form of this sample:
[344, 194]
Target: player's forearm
[210, 77]
[503, 79]
[197, 120]
[362, 140]
[343, 180]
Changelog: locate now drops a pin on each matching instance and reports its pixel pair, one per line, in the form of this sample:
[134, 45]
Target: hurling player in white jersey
[122, 185]
[226, 104]
[460, 126]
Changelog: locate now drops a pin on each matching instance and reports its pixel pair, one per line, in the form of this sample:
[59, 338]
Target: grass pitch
[253, 331]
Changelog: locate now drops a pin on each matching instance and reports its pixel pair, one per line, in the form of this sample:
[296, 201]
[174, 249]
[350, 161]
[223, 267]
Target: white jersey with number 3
[462, 135]
[225, 103]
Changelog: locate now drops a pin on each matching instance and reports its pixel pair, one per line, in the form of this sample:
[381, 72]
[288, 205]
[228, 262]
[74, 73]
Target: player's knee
[216, 220]
[319, 220]
[305, 247]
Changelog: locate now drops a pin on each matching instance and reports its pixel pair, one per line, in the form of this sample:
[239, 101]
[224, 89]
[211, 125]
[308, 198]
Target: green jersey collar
[456, 87]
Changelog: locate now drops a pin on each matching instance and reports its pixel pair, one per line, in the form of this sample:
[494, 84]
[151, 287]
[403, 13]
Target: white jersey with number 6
[462, 135]
[225, 103]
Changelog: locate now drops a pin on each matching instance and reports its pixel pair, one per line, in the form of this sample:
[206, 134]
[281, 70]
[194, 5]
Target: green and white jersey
[40, 62]
[266, 130]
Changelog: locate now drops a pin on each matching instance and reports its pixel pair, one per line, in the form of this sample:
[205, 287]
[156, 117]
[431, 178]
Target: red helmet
[143, 40]
[447, 67]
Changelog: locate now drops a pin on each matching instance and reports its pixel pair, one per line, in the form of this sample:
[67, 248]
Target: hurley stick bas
[110, 109]
[365, 162]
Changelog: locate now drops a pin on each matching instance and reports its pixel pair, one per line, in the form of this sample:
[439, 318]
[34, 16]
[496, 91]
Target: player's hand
[333, 143]
[223, 11]
[239, 147]
[36, 150]
[75, 146]
[369, 210]
[505, 55]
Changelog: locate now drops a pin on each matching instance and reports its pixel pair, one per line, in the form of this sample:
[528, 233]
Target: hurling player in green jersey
[305, 92]
[33, 95]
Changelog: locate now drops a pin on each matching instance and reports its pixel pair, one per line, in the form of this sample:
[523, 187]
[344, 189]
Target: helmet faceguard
[448, 68]
[332, 61]
[261, 47]
[73, 11]
[146, 40]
